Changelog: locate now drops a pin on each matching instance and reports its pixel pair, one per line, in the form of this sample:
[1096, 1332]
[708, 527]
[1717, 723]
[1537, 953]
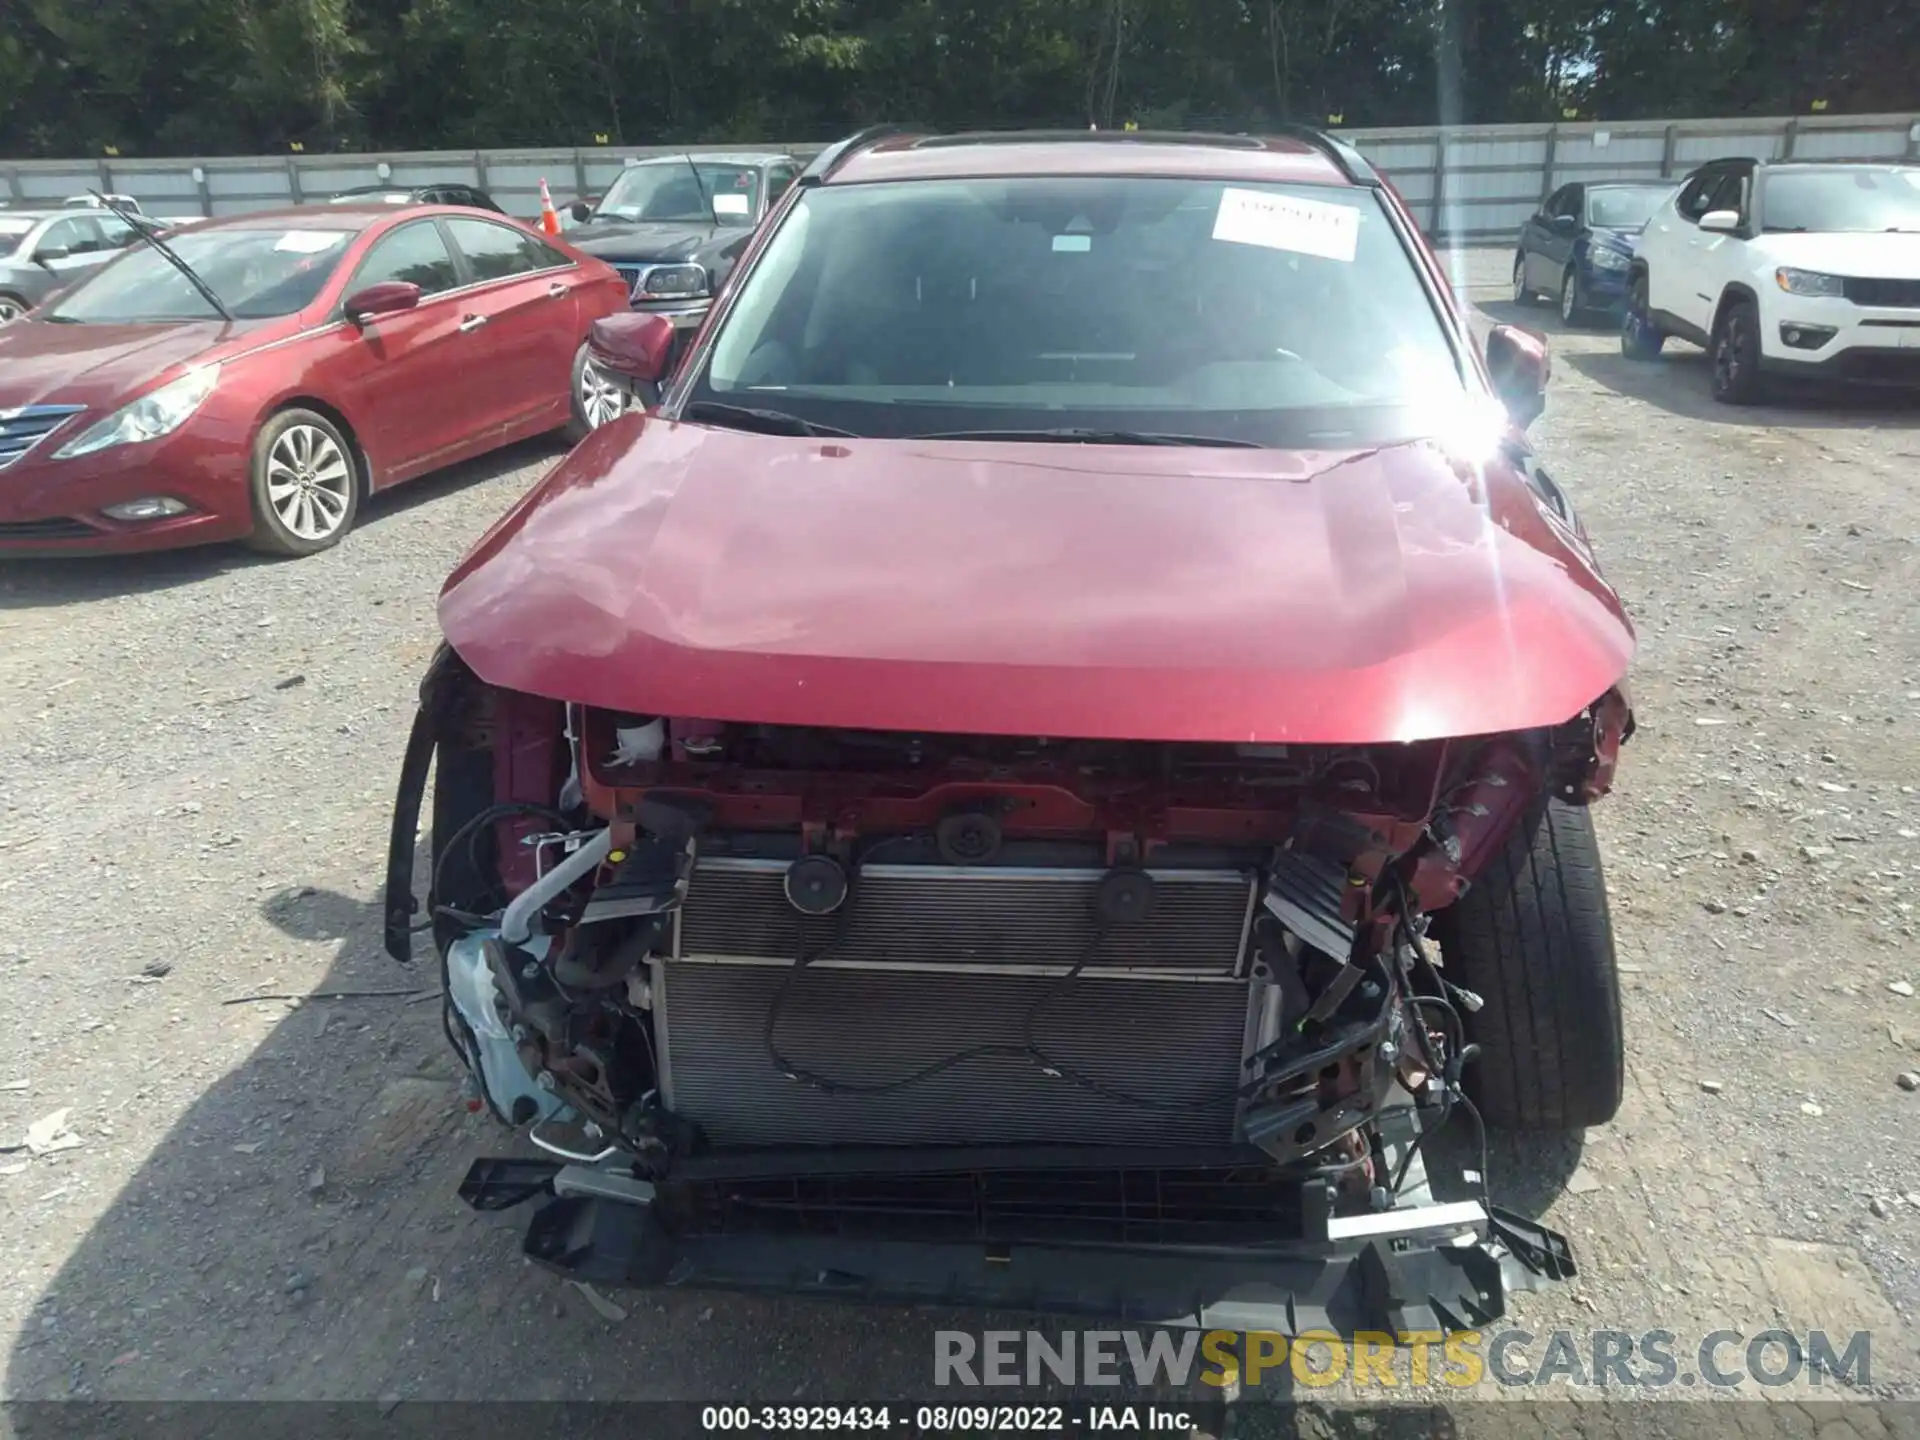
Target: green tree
[186, 76]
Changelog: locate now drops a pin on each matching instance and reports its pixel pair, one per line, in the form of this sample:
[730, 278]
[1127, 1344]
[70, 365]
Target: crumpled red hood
[1039, 589]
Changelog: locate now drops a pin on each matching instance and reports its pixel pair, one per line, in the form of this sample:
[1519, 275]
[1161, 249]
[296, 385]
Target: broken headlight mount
[1325, 1063]
[567, 1001]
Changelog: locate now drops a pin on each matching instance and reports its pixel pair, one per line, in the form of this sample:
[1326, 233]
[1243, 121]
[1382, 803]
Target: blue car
[1579, 243]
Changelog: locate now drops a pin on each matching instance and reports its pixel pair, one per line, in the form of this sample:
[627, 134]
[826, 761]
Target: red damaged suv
[1046, 763]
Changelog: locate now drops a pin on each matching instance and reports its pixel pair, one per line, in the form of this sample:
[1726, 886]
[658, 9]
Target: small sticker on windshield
[307, 242]
[731, 205]
[1072, 244]
[1287, 222]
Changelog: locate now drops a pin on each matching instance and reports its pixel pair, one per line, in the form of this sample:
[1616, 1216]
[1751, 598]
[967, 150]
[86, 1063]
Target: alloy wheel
[1520, 292]
[1569, 298]
[602, 398]
[10, 309]
[309, 482]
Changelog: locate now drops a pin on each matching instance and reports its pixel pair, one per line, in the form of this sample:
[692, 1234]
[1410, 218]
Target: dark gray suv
[673, 226]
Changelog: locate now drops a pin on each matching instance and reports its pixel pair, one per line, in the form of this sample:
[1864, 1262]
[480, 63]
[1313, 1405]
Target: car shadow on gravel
[1677, 383]
[1542, 317]
[544, 451]
[296, 1235]
[1526, 1173]
[48, 582]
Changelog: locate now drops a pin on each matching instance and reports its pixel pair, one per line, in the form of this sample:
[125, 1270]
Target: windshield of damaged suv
[1265, 314]
[258, 274]
[1830, 201]
[675, 190]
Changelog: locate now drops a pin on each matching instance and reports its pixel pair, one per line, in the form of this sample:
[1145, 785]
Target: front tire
[12, 307]
[1573, 307]
[1733, 355]
[305, 491]
[596, 398]
[1534, 939]
[1521, 294]
[1640, 338]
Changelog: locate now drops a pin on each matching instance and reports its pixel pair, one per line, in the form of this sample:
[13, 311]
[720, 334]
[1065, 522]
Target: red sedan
[288, 365]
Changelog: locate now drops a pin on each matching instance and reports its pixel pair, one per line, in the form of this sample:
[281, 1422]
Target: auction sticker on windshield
[308, 242]
[1287, 222]
[730, 205]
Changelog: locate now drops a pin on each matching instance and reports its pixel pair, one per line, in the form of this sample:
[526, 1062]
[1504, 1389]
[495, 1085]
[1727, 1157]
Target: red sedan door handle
[472, 323]
[556, 290]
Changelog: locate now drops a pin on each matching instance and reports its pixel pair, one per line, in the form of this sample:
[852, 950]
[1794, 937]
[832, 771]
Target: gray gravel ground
[197, 755]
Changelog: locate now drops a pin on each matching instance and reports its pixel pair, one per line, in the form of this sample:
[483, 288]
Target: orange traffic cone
[549, 217]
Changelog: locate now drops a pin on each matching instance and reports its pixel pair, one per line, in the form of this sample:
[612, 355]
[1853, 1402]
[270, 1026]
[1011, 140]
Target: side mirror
[634, 345]
[388, 297]
[581, 211]
[1518, 364]
[47, 254]
[1723, 221]
[1563, 222]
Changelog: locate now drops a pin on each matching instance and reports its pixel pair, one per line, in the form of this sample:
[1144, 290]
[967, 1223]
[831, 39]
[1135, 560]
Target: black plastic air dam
[1369, 1286]
[1417, 1281]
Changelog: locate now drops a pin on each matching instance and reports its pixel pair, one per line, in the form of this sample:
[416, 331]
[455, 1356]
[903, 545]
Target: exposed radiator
[1177, 1041]
[969, 916]
[926, 961]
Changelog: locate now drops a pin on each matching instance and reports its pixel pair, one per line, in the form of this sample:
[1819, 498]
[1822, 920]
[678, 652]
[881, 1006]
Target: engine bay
[789, 937]
[992, 988]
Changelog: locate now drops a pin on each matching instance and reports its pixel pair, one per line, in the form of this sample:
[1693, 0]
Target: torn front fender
[1612, 728]
[445, 675]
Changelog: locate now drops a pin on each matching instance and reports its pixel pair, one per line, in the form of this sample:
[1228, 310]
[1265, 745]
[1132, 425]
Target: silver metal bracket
[602, 1184]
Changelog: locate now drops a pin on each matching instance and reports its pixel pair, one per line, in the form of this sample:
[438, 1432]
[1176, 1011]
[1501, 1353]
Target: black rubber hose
[421, 743]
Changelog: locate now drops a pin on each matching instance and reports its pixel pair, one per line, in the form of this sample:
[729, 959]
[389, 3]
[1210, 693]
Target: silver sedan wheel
[308, 482]
[10, 309]
[602, 398]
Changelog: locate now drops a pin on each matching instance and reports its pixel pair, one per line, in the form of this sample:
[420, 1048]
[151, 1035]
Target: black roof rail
[828, 160]
[1111, 137]
[1349, 161]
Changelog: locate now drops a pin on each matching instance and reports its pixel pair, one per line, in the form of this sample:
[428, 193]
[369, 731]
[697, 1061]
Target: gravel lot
[197, 755]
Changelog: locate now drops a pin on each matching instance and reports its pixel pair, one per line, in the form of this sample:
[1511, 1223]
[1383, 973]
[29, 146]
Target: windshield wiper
[166, 251]
[769, 422]
[701, 185]
[1075, 436]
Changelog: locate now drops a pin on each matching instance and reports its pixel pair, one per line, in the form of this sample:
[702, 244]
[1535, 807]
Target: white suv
[1784, 268]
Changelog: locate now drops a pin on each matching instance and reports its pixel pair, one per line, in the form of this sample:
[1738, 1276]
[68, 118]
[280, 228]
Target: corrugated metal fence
[1472, 182]
[1483, 181]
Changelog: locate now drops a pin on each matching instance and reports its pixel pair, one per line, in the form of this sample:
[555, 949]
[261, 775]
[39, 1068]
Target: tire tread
[1751, 388]
[1534, 938]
